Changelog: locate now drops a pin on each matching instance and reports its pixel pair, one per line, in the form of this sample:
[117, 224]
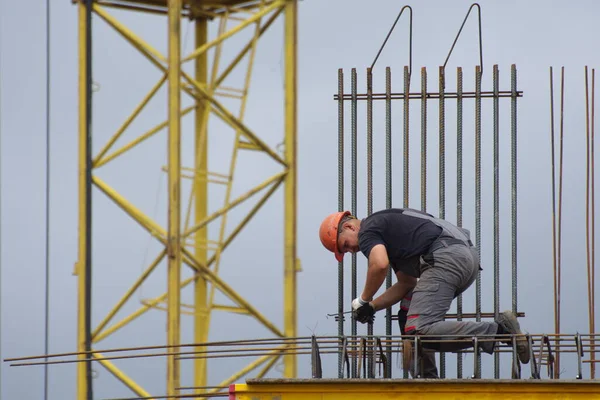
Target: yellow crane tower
[188, 245]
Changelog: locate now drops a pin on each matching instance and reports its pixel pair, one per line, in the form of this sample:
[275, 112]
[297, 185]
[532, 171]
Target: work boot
[509, 323]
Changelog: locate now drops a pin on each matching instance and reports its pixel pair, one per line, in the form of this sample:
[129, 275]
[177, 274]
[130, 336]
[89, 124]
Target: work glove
[357, 303]
[364, 313]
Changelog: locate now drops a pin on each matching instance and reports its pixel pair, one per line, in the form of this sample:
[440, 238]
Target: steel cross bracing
[185, 240]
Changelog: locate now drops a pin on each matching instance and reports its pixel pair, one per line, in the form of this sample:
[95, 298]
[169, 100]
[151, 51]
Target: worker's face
[348, 238]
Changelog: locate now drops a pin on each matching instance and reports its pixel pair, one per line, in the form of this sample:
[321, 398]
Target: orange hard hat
[328, 232]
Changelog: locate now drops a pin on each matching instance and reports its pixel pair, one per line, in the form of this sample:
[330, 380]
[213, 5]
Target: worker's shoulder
[381, 217]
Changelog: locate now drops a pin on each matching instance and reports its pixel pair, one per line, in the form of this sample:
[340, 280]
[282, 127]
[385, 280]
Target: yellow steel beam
[174, 248]
[154, 228]
[230, 292]
[138, 140]
[200, 192]
[117, 373]
[234, 154]
[130, 318]
[201, 224]
[289, 286]
[232, 120]
[244, 371]
[501, 389]
[268, 367]
[231, 309]
[139, 312]
[144, 47]
[83, 378]
[189, 258]
[200, 50]
[130, 119]
[129, 293]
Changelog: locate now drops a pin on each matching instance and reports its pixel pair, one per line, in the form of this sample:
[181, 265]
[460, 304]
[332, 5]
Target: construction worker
[434, 261]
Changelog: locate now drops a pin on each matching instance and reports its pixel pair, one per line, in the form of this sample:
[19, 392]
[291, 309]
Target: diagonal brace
[200, 50]
[232, 120]
[234, 203]
[228, 291]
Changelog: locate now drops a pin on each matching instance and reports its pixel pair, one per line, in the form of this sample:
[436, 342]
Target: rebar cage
[425, 187]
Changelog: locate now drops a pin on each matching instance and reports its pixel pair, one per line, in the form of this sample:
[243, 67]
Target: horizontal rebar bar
[470, 315]
[429, 95]
[564, 343]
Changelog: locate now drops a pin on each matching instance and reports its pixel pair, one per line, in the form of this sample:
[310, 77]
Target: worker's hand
[364, 313]
[357, 303]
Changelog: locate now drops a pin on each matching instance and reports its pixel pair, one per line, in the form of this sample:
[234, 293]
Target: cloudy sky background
[332, 34]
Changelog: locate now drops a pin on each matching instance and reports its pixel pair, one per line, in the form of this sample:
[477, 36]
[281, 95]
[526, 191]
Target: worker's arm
[377, 271]
[396, 292]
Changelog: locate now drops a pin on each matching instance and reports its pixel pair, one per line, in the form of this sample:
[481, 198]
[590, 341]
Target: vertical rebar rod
[388, 202]
[588, 206]
[353, 194]
[442, 175]
[478, 198]
[340, 208]
[406, 152]
[560, 190]
[593, 266]
[514, 197]
[406, 135]
[554, 241]
[459, 194]
[496, 128]
[423, 139]
[370, 176]
[47, 210]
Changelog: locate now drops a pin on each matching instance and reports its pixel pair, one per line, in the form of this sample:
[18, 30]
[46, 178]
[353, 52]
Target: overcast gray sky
[333, 34]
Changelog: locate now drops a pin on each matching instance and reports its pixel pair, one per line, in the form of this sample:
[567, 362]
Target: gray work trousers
[446, 273]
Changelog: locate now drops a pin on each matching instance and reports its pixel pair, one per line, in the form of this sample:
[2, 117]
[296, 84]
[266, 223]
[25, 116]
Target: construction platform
[373, 389]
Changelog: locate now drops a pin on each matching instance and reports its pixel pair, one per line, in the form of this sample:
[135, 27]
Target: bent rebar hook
[458, 34]
[409, 39]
